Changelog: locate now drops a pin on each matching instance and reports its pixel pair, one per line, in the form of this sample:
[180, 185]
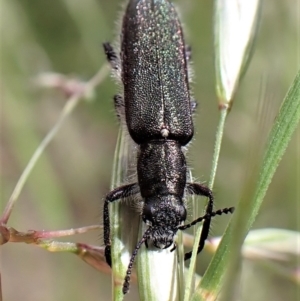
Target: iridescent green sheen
[155, 76]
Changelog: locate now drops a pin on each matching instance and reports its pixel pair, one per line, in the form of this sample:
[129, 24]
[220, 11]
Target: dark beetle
[158, 114]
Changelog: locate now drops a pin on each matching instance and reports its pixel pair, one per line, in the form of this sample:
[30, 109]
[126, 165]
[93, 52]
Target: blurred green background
[69, 181]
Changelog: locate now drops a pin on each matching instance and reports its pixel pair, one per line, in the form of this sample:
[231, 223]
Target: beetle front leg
[118, 193]
[198, 189]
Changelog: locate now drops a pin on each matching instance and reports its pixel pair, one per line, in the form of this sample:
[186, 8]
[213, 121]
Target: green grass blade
[227, 256]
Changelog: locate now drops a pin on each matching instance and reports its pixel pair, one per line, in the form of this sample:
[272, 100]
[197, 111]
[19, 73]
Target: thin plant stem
[68, 232]
[190, 276]
[219, 137]
[34, 237]
[70, 105]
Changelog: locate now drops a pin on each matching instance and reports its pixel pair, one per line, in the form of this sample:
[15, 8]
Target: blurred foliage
[66, 187]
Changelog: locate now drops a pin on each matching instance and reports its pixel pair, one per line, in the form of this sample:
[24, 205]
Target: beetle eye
[182, 213]
[148, 213]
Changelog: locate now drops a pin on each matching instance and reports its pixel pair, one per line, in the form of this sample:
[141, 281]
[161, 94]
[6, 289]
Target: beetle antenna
[207, 216]
[130, 265]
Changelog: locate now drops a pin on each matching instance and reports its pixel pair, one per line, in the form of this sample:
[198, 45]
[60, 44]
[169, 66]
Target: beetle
[157, 109]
